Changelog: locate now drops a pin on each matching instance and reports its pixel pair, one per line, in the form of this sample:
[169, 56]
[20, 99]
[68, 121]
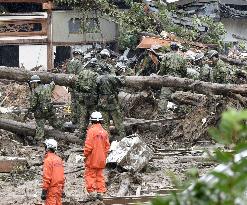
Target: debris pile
[176, 85]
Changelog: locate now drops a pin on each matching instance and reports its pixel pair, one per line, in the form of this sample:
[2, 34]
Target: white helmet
[105, 52]
[96, 116]
[51, 144]
[87, 56]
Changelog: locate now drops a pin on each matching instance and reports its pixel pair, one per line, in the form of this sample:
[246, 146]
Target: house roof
[148, 42]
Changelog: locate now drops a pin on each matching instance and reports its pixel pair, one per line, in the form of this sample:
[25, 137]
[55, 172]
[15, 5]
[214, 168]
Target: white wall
[60, 29]
[234, 26]
[32, 55]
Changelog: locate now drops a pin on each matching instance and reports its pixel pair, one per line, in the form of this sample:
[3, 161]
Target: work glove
[43, 194]
[63, 195]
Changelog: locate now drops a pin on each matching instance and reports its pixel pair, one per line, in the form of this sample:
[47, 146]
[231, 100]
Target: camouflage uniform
[206, 73]
[108, 89]
[220, 72]
[147, 65]
[74, 67]
[173, 64]
[42, 107]
[86, 87]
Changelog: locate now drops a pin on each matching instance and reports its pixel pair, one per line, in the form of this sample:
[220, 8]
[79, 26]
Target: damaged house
[36, 34]
[231, 13]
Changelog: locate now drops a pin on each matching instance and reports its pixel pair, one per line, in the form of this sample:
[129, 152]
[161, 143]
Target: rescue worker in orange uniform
[53, 175]
[95, 152]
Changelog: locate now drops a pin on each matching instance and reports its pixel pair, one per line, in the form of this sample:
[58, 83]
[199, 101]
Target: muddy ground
[186, 129]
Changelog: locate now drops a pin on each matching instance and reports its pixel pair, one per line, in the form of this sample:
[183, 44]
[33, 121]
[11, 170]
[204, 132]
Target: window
[78, 25]
[75, 25]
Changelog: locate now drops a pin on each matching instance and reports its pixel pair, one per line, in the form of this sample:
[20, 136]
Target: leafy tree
[225, 185]
[135, 20]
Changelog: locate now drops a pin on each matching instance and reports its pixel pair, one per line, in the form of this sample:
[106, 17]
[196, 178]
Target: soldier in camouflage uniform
[149, 64]
[205, 71]
[193, 66]
[220, 71]
[104, 60]
[173, 63]
[86, 88]
[42, 107]
[74, 67]
[108, 104]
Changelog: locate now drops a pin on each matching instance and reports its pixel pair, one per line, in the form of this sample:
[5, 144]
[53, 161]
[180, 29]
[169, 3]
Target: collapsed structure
[187, 116]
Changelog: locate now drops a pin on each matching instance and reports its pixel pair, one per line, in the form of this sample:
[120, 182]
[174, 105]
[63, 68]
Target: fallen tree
[233, 61]
[25, 129]
[140, 82]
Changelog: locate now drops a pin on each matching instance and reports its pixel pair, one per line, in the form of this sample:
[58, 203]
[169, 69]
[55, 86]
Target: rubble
[131, 153]
[191, 109]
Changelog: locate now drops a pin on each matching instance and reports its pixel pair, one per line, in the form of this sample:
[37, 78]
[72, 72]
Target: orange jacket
[96, 146]
[53, 172]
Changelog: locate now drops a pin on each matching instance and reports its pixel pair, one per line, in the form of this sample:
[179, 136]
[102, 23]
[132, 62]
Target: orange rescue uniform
[95, 151]
[53, 178]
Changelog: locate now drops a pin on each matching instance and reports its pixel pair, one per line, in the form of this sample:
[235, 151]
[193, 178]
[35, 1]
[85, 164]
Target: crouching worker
[53, 175]
[95, 151]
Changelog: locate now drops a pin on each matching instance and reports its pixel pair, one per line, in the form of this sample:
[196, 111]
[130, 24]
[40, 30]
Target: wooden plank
[9, 164]
[23, 34]
[23, 41]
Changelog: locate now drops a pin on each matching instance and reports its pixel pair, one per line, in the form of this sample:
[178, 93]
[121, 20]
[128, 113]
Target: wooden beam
[42, 32]
[23, 41]
[50, 62]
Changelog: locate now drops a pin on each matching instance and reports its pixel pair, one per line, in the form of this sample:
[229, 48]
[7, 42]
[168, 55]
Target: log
[21, 75]
[25, 129]
[188, 98]
[233, 61]
[140, 82]
[157, 81]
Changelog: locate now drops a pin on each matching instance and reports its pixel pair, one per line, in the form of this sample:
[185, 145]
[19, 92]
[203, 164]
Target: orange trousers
[95, 180]
[54, 197]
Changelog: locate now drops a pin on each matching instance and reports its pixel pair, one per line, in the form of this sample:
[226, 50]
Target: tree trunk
[188, 98]
[25, 129]
[21, 75]
[140, 82]
[233, 61]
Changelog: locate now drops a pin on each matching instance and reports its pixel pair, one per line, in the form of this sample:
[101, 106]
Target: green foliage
[134, 20]
[225, 185]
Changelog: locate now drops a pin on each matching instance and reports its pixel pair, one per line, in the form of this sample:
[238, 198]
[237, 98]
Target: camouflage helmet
[174, 46]
[35, 79]
[213, 53]
[199, 56]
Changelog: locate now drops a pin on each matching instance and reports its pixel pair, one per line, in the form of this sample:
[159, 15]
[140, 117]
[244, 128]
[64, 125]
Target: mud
[186, 126]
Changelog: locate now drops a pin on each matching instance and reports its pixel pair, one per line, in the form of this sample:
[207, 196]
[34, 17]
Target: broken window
[9, 56]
